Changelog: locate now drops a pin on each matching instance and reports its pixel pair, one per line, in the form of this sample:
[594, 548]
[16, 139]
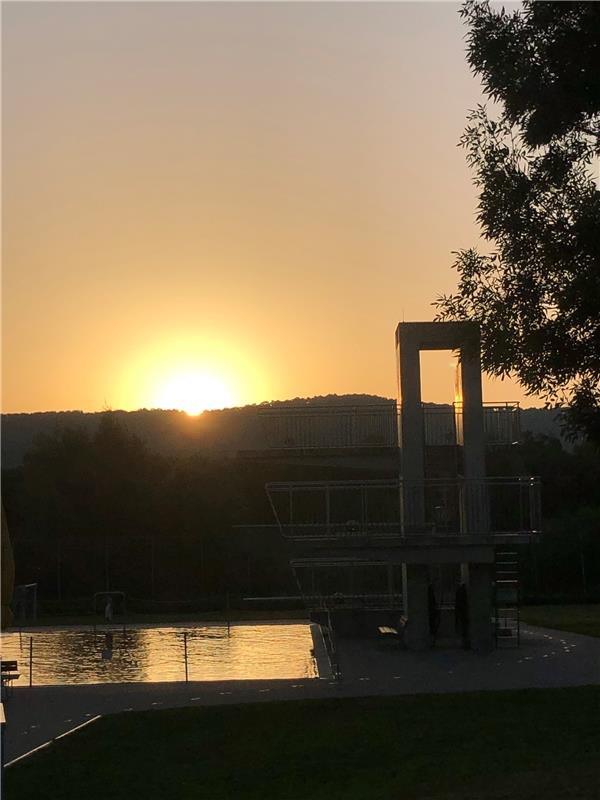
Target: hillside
[175, 432]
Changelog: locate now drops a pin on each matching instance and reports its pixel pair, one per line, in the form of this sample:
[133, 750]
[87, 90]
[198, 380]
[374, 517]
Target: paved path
[547, 658]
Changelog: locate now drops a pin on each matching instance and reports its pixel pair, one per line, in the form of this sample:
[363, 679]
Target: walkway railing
[442, 425]
[342, 583]
[338, 601]
[388, 509]
[501, 423]
[300, 427]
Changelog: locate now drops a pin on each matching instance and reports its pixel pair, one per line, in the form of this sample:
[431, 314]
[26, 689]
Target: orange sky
[255, 194]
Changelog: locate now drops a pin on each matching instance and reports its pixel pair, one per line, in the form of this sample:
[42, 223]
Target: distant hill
[176, 433]
[543, 421]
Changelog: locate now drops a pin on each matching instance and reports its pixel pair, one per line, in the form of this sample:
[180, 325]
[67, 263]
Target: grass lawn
[577, 619]
[520, 744]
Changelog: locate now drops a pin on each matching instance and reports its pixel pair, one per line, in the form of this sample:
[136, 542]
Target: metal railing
[501, 423]
[347, 583]
[298, 427]
[443, 425]
[388, 509]
[339, 601]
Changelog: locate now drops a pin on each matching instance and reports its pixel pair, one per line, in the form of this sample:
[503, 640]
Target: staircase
[506, 598]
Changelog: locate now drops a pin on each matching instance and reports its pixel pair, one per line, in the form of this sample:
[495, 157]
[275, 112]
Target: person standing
[108, 610]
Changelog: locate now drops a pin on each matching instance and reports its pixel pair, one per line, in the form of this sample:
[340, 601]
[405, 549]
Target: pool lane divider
[51, 741]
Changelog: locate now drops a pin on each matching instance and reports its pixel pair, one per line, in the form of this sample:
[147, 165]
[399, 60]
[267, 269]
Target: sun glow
[193, 392]
[191, 372]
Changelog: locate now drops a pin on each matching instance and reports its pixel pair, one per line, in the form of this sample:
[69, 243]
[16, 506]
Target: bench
[389, 634]
[8, 674]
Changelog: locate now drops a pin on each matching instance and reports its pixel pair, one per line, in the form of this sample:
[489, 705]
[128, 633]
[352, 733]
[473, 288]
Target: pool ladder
[507, 623]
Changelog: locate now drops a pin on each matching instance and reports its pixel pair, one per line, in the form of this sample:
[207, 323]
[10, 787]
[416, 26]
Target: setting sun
[190, 370]
[193, 392]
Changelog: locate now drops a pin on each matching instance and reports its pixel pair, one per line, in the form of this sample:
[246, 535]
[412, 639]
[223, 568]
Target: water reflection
[68, 654]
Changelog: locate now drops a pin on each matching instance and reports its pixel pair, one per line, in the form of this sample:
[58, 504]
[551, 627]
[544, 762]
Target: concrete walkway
[546, 658]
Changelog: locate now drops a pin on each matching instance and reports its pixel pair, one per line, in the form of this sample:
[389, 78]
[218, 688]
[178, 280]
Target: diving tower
[374, 544]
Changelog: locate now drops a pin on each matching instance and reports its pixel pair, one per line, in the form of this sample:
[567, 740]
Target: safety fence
[397, 508]
[300, 427]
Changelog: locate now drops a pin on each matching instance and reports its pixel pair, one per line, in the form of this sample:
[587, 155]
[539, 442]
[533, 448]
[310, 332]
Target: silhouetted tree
[536, 295]
[88, 505]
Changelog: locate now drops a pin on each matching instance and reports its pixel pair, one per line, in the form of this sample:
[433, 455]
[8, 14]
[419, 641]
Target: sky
[212, 204]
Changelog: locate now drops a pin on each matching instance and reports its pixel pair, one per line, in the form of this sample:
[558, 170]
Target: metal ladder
[506, 598]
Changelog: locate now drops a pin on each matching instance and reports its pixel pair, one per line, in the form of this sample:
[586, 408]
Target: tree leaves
[536, 296]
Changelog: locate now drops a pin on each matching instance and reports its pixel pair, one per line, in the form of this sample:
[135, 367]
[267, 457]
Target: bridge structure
[381, 545]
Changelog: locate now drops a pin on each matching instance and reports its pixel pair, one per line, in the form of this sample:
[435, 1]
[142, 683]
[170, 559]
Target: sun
[193, 392]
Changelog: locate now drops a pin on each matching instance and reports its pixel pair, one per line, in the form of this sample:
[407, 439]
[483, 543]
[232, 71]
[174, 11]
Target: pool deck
[547, 658]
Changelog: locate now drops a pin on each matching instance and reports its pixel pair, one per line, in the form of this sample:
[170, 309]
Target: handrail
[498, 505]
[504, 480]
[298, 409]
[376, 425]
[384, 407]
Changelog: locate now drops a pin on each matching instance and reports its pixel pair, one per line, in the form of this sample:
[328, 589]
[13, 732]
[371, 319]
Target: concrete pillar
[472, 408]
[474, 500]
[410, 429]
[417, 635]
[480, 607]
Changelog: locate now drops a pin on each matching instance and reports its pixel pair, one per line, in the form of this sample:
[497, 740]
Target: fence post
[30, 660]
[2, 759]
[185, 656]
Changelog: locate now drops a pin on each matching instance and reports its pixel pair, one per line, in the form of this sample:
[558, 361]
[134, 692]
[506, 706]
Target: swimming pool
[245, 651]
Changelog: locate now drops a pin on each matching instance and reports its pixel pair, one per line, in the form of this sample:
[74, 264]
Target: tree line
[95, 511]
[176, 433]
[90, 512]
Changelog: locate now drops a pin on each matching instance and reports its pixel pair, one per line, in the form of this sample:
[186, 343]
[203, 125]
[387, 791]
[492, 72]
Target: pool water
[247, 651]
